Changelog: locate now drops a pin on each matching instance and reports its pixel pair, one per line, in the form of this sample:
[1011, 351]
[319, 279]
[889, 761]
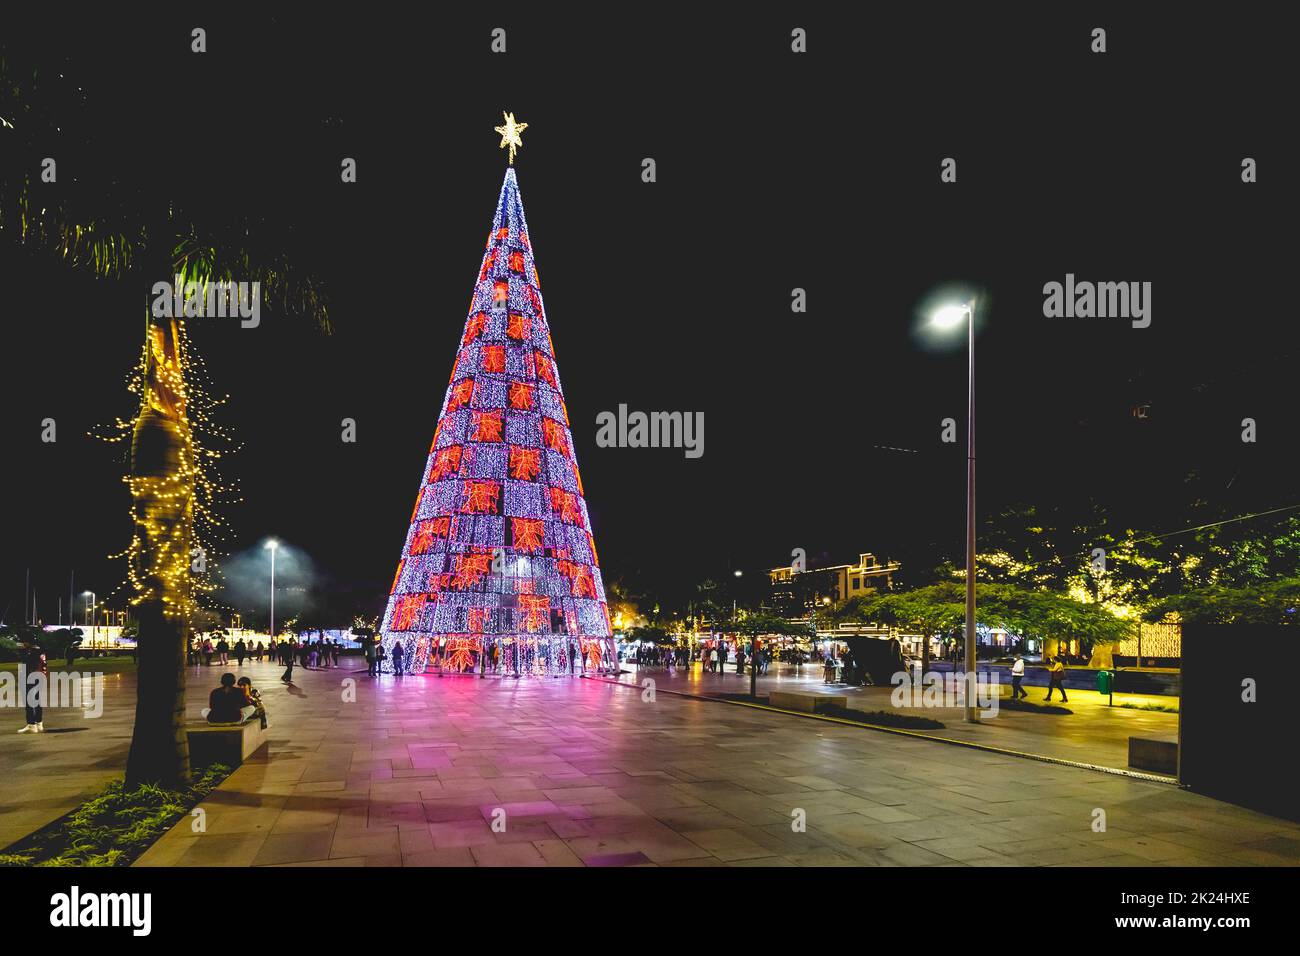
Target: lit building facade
[795, 593]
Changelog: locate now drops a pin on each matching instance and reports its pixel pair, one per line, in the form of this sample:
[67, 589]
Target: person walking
[223, 651]
[241, 651]
[1056, 680]
[1017, 675]
[36, 680]
[399, 654]
[287, 676]
[372, 660]
[207, 651]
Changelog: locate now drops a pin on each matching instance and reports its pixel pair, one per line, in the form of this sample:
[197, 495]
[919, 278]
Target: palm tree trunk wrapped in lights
[161, 480]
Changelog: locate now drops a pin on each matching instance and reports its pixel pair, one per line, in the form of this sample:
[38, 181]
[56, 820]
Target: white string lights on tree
[500, 555]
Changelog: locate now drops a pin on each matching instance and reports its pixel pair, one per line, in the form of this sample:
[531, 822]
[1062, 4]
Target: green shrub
[114, 828]
[1163, 708]
[1033, 708]
[882, 718]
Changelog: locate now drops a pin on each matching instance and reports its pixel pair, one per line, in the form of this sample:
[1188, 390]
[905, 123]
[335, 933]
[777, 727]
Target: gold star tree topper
[510, 134]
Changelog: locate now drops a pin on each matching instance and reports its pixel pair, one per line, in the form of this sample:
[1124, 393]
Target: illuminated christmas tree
[500, 558]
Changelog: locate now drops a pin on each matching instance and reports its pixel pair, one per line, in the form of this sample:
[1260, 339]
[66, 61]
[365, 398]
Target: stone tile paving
[43, 776]
[1094, 733]
[589, 774]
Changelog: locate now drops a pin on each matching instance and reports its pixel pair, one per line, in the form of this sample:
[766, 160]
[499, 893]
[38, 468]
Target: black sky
[775, 171]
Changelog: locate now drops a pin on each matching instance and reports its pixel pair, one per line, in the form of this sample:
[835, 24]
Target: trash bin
[1104, 679]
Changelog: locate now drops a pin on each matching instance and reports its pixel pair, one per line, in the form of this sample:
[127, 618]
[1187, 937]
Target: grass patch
[115, 664]
[114, 828]
[1162, 708]
[1033, 708]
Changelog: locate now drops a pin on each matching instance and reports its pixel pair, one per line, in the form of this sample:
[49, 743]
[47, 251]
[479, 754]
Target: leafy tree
[757, 623]
[939, 608]
[1271, 602]
[13, 636]
[649, 634]
[930, 610]
[53, 643]
[710, 604]
[1079, 551]
[1054, 547]
[59, 643]
[1043, 614]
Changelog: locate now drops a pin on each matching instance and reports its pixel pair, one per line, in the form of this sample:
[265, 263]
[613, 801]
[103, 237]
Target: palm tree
[145, 239]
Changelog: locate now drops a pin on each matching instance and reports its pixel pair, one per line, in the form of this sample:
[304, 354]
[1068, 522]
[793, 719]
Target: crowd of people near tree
[490, 657]
[318, 654]
[712, 657]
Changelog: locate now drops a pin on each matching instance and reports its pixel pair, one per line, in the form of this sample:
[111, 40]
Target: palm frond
[119, 231]
[284, 286]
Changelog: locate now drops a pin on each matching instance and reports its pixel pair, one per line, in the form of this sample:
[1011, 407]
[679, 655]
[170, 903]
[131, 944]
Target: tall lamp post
[91, 595]
[946, 318]
[271, 546]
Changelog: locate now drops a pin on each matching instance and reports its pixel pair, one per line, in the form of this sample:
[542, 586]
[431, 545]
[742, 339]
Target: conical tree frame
[499, 570]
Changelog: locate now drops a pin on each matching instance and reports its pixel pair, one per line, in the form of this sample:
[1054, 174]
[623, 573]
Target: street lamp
[91, 595]
[271, 546]
[947, 318]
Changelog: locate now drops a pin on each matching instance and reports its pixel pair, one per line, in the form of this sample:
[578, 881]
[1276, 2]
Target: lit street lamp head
[271, 545]
[950, 316]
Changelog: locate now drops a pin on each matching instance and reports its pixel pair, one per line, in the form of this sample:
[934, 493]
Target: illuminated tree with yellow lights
[162, 483]
[113, 233]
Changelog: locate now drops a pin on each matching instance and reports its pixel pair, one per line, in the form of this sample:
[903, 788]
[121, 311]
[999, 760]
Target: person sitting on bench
[251, 693]
[229, 703]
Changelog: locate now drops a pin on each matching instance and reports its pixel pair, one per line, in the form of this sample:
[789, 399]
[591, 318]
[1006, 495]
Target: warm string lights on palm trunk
[172, 478]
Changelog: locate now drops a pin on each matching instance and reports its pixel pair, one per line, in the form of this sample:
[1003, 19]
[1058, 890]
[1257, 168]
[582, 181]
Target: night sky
[775, 171]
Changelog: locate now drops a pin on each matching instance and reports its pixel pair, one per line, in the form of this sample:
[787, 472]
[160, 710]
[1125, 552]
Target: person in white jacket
[1017, 675]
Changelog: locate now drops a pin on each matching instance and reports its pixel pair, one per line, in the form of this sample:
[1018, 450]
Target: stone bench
[1159, 754]
[229, 744]
[807, 703]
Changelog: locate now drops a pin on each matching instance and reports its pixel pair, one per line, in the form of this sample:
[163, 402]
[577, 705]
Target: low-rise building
[796, 592]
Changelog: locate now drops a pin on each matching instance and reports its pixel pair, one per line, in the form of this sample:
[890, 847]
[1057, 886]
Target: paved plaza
[584, 772]
[43, 776]
[589, 773]
[1095, 733]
